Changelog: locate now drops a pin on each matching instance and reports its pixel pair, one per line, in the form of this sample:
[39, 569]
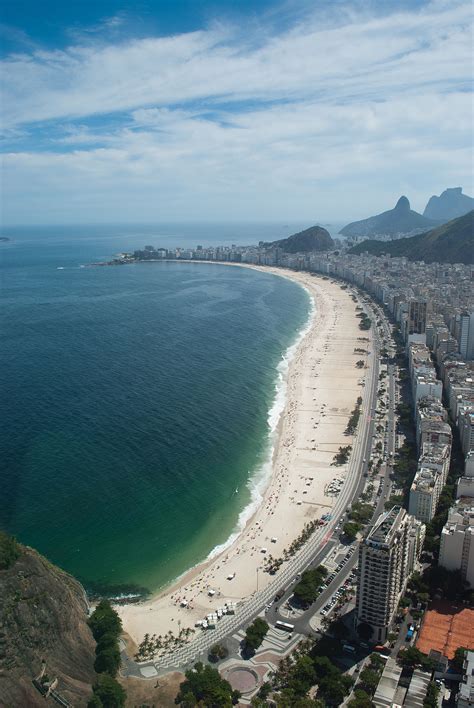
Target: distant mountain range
[449, 205]
[313, 239]
[401, 219]
[450, 243]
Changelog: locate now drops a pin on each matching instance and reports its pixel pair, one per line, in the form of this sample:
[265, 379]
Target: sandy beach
[322, 388]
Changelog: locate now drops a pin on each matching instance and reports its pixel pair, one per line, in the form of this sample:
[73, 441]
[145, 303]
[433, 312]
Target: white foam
[259, 481]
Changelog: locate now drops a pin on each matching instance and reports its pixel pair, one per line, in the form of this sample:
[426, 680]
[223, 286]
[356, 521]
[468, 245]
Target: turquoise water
[135, 402]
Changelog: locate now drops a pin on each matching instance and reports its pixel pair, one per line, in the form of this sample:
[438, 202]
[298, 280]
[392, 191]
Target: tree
[361, 700]
[307, 590]
[106, 641]
[265, 690]
[335, 688]
[217, 652]
[411, 657]
[95, 702]
[109, 692]
[286, 699]
[431, 698]
[104, 620]
[369, 680]
[376, 661]
[9, 550]
[255, 634]
[107, 661]
[457, 662]
[350, 530]
[203, 683]
[303, 676]
[258, 702]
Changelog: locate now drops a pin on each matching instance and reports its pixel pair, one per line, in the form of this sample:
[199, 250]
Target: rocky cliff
[451, 204]
[43, 617]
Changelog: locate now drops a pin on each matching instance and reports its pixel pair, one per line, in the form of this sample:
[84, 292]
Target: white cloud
[339, 120]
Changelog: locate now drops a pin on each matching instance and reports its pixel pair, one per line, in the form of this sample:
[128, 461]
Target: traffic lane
[272, 613]
[302, 621]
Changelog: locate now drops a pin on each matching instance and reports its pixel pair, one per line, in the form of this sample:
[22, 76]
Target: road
[302, 621]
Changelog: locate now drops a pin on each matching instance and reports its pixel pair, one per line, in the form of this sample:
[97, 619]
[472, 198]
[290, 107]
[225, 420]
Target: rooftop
[445, 628]
[384, 529]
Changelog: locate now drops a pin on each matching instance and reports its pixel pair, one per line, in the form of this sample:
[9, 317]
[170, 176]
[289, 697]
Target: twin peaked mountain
[452, 203]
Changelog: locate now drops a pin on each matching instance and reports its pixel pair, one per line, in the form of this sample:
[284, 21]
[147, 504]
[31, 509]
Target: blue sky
[158, 111]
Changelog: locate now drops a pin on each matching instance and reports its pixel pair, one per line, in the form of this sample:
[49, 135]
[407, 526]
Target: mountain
[43, 616]
[450, 243]
[449, 205]
[313, 239]
[401, 219]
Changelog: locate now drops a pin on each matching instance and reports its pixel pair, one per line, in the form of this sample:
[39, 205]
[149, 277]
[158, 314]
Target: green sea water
[137, 405]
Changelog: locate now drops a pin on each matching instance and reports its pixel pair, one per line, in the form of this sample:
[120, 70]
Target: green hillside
[313, 239]
[450, 243]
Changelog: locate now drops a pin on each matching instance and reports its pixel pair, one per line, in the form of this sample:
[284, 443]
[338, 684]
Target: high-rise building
[417, 317]
[387, 557]
[457, 540]
[466, 335]
[465, 698]
[424, 493]
[466, 428]
[465, 484]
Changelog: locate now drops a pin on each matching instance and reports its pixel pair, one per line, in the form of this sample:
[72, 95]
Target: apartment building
[465, 485]
[387, 557]
[465, 698]
[457, 540]
[424, 494]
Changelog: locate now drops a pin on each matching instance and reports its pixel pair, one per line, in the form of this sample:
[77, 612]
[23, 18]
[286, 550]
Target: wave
[260, 479]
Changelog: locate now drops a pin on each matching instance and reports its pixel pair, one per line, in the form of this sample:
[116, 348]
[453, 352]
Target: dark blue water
[134, 400]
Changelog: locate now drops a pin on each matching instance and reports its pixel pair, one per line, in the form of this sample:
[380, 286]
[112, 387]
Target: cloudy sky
[177, 110]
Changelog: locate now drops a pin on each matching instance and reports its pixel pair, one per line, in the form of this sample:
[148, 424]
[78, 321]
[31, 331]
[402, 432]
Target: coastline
[294, 492]
[260, 482]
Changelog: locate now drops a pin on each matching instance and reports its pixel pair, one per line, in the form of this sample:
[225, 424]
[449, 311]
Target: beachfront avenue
[313, 552]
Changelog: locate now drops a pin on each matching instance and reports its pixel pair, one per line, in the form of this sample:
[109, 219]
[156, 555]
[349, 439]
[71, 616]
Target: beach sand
[322, 389]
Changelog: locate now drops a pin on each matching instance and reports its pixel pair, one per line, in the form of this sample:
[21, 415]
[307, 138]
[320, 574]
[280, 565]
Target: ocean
[138, 402]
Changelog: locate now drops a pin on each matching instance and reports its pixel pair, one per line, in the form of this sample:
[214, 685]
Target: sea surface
[137, 402]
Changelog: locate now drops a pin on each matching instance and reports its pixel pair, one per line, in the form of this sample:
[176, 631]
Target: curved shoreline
[260, 482]
[279, 515]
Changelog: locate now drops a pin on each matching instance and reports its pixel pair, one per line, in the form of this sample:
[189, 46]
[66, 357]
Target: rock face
[43, 616]
[313, 239]
[450, 243]
[399, 220]
[449, 205]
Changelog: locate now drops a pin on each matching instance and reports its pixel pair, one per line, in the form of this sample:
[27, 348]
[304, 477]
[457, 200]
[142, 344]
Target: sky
[232, 110]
